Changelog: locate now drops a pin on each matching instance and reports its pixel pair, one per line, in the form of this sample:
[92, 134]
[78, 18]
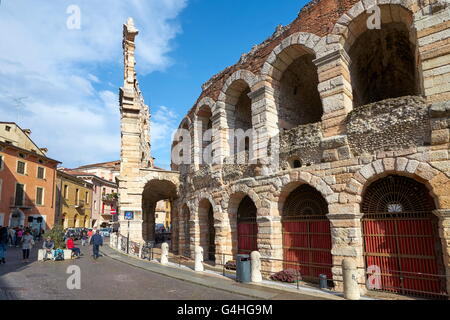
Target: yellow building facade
[73, 201]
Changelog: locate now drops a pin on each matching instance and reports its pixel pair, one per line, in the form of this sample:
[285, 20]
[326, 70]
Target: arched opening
[185, 233]
[247, 227]
[74, 224]
[204, 116]
[182, 147]
[401, 240]
[207, 230]
[17, 219]
[63, 221]
[154, 192]
[383, 61]
[298, 101]
[307, 234]
[239, 114]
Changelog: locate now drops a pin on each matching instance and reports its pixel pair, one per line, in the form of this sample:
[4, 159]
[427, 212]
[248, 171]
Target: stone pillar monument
[256, 267]
[165, 254]
[135, 140]
[199, 259]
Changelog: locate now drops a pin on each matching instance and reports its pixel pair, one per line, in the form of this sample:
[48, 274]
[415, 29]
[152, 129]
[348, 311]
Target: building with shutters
[74, 201]
[27, 180]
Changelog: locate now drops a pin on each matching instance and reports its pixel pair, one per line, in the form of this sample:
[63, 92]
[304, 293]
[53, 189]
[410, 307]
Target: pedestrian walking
[19, 234]
[27, 244]
[84, 238]
[96, 241]
[3, 244]
[90, 234]
[12, 237]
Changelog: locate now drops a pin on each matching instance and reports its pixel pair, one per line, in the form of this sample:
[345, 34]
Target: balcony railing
[22, 203]
[111, 197]
[80, 204]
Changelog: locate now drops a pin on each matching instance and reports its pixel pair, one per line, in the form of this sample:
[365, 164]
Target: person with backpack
[3, 244]
[96, 241]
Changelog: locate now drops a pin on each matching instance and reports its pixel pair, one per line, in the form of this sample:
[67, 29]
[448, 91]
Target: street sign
[129, 215]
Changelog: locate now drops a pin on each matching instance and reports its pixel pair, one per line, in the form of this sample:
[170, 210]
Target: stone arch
[231, 201]
[236, 103]
[242, 76]
[206, 228]
[184, 234]
[207, 101]
[204, 195]
[341, 32]
[238, 192]
[203, 135]
[384, 62]
[16, 218]
[187, 152]
[156, 186]
[274, 66]
[292, 73]
[435, 181]
[292, 181]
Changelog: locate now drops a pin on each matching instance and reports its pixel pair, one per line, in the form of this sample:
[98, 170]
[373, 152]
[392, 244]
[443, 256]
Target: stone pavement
[102, 279]
[210, 280]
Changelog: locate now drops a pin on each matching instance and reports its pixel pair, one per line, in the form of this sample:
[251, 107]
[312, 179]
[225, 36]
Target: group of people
[26, 239]
[15, 237]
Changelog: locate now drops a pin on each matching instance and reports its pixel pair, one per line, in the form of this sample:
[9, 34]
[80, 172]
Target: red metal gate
[401, 244]
[247, 227]
[307, 234]
[247, 237]
[307, 246]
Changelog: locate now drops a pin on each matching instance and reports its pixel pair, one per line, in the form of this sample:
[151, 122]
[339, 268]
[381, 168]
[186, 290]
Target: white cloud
[71, 105]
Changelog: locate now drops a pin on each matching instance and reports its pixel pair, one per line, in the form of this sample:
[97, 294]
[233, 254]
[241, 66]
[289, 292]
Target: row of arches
[399, 233]
[77, 221]
[383, 63]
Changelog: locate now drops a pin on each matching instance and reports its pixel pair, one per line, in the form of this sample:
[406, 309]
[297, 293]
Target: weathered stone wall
[389, 125]
[348, 147]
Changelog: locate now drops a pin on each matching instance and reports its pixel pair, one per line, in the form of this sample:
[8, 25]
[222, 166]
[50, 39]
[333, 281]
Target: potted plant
[57, 235]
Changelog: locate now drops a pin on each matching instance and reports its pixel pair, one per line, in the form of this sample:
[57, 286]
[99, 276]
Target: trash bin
[323, 281]
[243, 271]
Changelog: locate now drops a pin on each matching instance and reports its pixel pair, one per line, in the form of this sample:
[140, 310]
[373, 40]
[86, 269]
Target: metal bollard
[323, 281]
[351, 286]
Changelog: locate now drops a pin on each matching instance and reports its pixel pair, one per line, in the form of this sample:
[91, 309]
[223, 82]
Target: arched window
[383, 61]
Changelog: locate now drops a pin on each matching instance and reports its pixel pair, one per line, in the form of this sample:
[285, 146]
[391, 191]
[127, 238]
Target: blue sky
[70, 78]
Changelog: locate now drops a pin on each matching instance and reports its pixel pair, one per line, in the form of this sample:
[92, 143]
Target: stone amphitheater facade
[341, 108]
